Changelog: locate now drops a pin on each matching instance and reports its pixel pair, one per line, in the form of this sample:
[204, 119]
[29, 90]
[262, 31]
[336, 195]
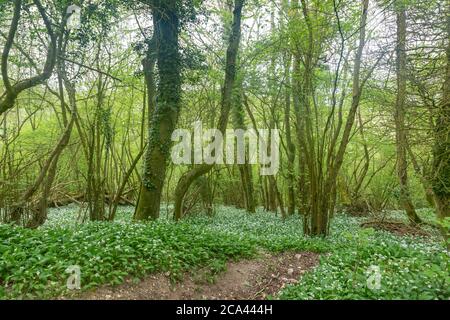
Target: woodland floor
[251, 279]
[232, 255]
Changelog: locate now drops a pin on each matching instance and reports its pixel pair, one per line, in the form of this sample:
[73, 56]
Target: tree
[227, 92]
[165, 116]
[401, 131]
[12, 91]
[441, 151]
[322, 148]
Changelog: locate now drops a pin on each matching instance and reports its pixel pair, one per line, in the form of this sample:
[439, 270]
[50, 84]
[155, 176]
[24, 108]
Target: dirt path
[248, 279]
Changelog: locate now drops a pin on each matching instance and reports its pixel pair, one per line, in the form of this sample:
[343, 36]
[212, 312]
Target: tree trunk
[289, 143]
[244, 169]
[441, 152]
[165, 116]
[321, 182]
[126, 178]
[40, 214]
[230, 76]
[401, 131]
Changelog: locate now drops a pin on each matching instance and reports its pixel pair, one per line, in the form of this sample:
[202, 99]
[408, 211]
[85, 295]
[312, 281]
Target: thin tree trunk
[289, 142]
[244, 169]
[115, 202]
[230, 76]
[401, 131]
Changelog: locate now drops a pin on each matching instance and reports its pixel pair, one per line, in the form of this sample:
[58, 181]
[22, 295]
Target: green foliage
[411, 268]
[97, 20]
[33, 262]
[3, 6]
[262, 230]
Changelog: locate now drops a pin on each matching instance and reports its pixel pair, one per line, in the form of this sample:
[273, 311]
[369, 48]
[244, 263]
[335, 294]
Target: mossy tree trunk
[165, 115]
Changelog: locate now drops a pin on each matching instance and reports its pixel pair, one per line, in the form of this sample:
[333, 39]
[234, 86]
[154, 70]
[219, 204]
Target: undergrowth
[33, 262]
